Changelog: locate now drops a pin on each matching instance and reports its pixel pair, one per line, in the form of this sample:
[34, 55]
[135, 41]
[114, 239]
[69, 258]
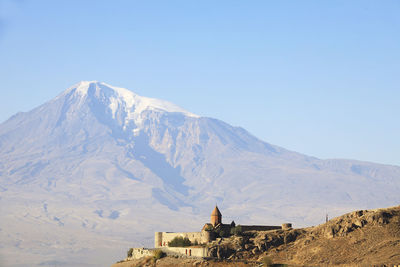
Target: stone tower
[158, 239]
[216, 216]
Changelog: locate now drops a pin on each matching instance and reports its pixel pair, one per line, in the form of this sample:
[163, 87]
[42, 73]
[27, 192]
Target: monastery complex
[199, 240]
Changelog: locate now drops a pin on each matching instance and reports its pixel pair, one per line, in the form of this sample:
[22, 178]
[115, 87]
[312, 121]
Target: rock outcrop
[360, 237]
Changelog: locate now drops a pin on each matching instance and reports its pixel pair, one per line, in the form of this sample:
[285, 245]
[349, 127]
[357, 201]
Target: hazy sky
[317, 77]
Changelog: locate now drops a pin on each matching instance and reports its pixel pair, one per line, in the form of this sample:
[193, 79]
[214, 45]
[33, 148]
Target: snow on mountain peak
[123, 97]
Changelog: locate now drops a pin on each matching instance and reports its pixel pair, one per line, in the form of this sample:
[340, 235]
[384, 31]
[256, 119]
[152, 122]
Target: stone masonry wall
[138, 253]
[259, 227]
[188, 251]
[161, 239]
[199, 252]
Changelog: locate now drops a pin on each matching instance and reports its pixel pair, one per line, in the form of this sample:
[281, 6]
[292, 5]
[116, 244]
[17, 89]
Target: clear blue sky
[317, 77]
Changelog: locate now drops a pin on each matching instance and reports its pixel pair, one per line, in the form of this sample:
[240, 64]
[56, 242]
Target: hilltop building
[208, 233]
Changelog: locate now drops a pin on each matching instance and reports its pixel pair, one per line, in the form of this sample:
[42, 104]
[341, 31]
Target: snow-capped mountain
[98, 169]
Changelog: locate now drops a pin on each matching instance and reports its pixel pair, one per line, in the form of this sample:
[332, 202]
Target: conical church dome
[216, 216]
[216, 212]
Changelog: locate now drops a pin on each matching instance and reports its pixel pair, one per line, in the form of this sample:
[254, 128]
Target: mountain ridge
[97, 169]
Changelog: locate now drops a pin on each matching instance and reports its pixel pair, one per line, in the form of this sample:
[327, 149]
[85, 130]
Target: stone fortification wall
[207, 236]
[200, 252]
[161, 239]
[259, 228]
[158, 239]
[287, 226]
[138, 253]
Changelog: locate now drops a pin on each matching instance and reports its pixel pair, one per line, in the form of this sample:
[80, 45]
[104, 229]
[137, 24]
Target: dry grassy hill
[360, 238]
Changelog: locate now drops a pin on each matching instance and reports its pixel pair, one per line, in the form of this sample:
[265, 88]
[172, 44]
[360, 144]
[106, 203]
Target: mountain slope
[101, 163]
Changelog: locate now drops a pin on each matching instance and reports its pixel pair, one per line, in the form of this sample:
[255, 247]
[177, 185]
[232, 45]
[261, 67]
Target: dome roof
[216, 212]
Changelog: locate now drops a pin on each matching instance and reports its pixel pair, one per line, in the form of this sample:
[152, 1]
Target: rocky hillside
[364, 238]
